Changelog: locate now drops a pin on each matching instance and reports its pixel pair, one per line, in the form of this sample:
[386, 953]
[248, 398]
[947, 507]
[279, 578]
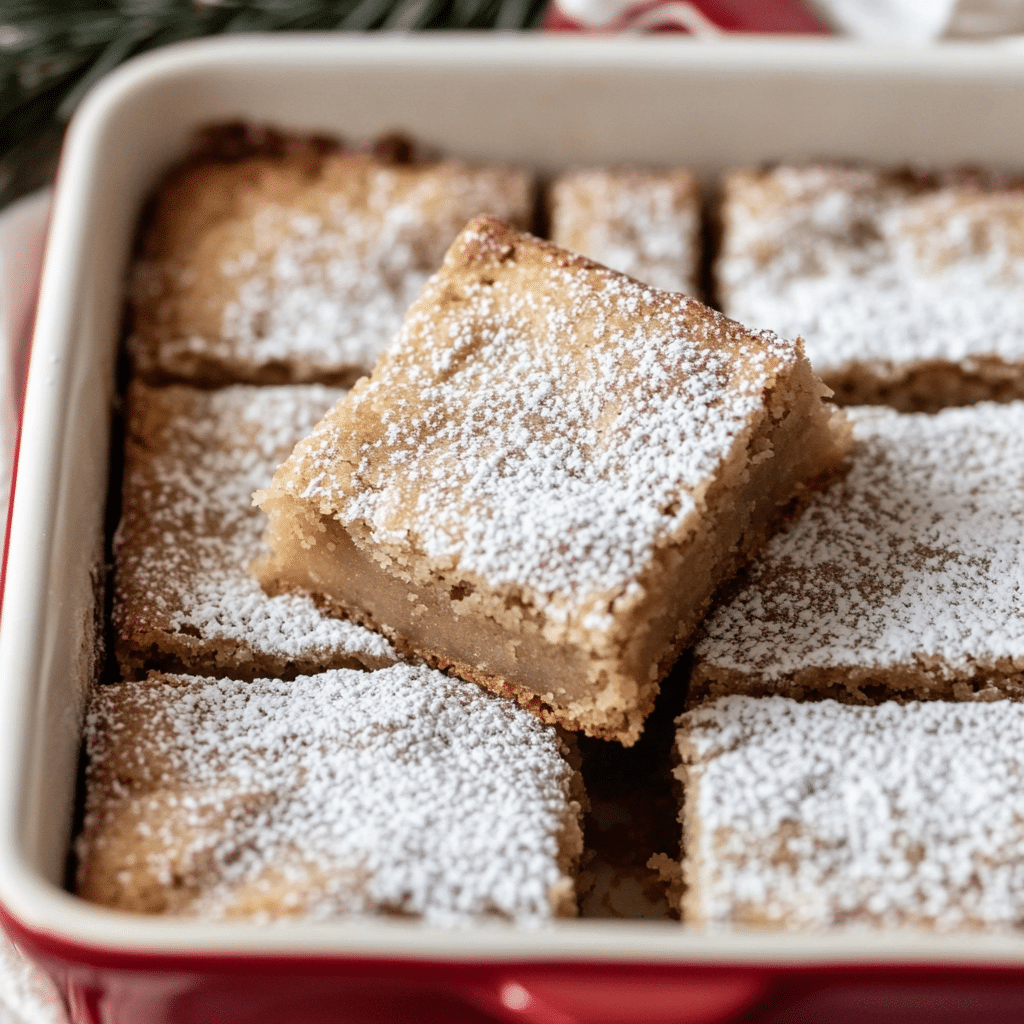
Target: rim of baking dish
[34, 907]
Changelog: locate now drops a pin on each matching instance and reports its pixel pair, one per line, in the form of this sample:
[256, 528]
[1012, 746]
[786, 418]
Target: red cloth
[693, 16]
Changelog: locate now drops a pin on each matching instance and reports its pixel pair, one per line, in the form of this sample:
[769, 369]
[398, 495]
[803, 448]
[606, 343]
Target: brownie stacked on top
[547, 476]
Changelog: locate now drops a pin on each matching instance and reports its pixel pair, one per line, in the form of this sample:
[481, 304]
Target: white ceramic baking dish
[547, 101]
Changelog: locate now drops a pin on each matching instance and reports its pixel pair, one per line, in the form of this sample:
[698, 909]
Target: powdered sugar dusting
[540, 421]
[873, 269]
[399, 791]
[915, 558]
[642, 223]
[313, 297]
[819, 815]
[316, 283]
[189, 531]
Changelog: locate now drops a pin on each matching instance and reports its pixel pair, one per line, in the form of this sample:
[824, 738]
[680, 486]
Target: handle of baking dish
[590, 999]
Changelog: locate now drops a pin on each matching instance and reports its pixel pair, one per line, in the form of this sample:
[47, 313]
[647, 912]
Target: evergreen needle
[52, 51]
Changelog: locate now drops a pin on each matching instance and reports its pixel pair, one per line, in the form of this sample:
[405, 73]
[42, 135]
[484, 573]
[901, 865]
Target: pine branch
[52, 51]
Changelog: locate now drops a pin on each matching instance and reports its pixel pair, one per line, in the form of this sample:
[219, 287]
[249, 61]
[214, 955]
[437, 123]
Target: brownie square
[904, 579]
[299, 266]
[644, 223]
[184, 598]
[904, 285]
[399, 791]
[548, 476]
[824, 815]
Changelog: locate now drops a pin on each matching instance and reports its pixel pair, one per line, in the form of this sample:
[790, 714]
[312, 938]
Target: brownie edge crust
[547, 477]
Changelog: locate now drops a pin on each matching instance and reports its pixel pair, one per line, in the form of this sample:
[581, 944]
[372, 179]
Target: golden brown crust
[929, 385]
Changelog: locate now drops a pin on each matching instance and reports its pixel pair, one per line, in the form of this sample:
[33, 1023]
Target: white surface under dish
[548, 102]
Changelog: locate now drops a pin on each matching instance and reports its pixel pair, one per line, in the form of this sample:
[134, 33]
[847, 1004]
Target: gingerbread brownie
[547, 476]
[398, 791]
[183, 596]
[299, 266]
[904, 579]
[904, 286]
[644, 223]
[824, 815]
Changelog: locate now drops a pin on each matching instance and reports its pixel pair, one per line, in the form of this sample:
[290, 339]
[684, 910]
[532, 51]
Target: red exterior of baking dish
[550, 103]
[118, 987]
[105, 987]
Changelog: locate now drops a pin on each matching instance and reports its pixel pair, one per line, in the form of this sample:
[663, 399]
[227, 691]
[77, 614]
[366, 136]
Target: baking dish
[548, 102]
